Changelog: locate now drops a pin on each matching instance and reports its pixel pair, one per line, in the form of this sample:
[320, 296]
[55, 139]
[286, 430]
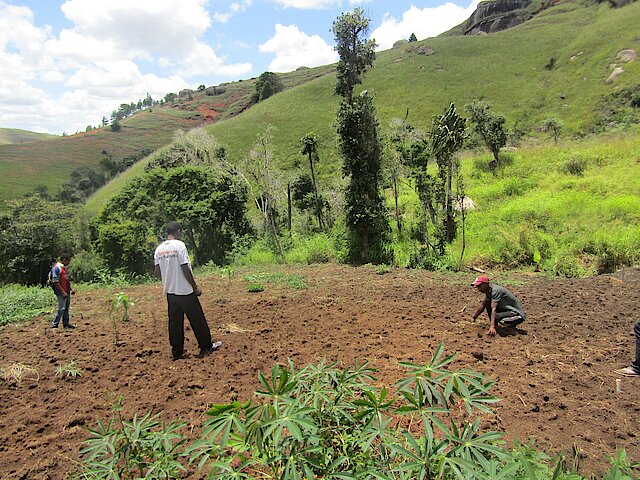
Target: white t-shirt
[170, 255]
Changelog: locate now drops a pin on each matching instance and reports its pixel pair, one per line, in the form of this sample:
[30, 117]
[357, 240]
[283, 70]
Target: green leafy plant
[144, 447]
[120, 305]
[331, 422]
[575, 166]
[69, 370]
[227, 272]
[327, 421]
[255, 287]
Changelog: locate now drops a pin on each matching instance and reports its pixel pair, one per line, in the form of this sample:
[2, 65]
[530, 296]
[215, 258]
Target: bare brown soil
[555, 376]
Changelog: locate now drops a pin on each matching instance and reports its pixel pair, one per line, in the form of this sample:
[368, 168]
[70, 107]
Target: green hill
[571, 207]
[26, 165]
[510, 69]
[507, 69]
[15, 135]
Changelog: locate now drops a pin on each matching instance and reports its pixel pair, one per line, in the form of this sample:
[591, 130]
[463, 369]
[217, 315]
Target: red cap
[480, 279]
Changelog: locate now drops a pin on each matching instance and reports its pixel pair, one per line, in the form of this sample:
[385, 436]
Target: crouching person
[501, 305]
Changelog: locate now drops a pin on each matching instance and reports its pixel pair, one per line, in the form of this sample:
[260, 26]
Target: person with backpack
[62, 288]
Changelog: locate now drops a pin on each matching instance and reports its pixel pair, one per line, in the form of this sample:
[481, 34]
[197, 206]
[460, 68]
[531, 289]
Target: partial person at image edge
[501, 305]
[634, 369]
[173, 267]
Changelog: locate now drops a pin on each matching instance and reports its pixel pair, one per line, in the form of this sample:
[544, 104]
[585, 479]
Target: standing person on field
[173, 267]
[501, 305]
[62, 288]
[634, 369]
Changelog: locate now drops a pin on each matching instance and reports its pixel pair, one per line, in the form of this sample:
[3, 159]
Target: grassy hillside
[577, 204]
[571, 207]
[24, 166]
[506, 69]
[15, 135]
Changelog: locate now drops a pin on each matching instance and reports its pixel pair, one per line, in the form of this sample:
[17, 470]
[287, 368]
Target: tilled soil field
[554, 374]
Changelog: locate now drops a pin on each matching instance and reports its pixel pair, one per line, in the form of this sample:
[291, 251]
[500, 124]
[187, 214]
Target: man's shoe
[178, 357]
[54, 326]
[69, 326]
[628, 372]
[214, 348]
[512, 322]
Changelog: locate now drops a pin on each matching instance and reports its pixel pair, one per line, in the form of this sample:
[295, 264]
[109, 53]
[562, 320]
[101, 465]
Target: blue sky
[65, 64]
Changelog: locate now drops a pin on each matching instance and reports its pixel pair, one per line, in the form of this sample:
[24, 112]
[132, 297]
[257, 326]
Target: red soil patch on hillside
[208, 112]
[554, 376]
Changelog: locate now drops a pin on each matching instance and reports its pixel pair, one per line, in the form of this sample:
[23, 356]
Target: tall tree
[33, 232]
[268, 84]
[356, 53]
[394, 164]
[264, 182]
[447, 137]
[359, 142]
[310, 148]
[489, 125]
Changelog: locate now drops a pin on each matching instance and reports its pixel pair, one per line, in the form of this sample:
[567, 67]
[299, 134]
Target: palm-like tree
[310, 148]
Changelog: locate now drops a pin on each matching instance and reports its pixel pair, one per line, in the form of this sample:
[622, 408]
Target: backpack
[50, 282]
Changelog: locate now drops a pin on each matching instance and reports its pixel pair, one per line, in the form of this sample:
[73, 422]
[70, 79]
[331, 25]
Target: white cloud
[425, 22]
[234, 8]
[294, 49]
[202, 60]
[316, 4]
[20, 43]
[141, 26]
[96, 62]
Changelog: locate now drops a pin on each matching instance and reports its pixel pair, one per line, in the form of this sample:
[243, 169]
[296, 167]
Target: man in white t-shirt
[172, 265]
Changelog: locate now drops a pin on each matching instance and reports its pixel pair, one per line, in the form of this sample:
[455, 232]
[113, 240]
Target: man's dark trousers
[501, 316]
[636, 362]
[179, 305]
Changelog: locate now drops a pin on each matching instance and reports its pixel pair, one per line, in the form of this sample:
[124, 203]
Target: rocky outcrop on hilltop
[495, 15]
[619, 3]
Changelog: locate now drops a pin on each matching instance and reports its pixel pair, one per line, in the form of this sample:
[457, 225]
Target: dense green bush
[523, 244]
[613, 250]
[33, 233]
[86, 267]
[126, 245]
[318, 248]
[514, 187]
[486, 164]
[211, 205]
[267, 84]
[575, 166]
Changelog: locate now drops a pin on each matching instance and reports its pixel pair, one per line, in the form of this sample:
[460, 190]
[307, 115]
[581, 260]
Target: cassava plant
[119, 312]
[326, 421]
[323, 421]
[69, 370]
[141, 448]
